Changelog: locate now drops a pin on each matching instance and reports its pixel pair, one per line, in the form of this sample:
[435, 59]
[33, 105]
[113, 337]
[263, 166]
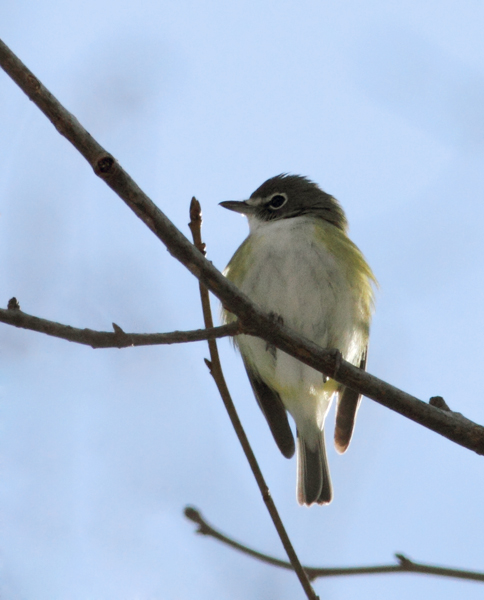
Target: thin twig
[108, 339]
[253, 320]
[215, 367]
[404, 565]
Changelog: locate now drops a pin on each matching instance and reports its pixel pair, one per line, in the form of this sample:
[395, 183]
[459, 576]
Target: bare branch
[253, 320]
[404, 565]
[215, 368]
[108, 339]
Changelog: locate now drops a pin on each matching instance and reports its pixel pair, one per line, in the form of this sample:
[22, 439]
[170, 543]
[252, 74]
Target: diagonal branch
[108, 339]
[253, 320]
[404, 565]
[215, 367]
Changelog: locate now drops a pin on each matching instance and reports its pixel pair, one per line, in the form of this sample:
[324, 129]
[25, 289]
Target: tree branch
[215, 367]
[404, 565]
[108, 339]
[253, 320]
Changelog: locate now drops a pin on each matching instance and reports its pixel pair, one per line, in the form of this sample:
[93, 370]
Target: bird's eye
[277, 201]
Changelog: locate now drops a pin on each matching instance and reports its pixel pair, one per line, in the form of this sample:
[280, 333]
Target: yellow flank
[351, 260]
[239, 263]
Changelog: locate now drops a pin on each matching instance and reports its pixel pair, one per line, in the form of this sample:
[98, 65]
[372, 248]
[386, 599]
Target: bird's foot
[338, 357]
[273, 316]
[280, 321]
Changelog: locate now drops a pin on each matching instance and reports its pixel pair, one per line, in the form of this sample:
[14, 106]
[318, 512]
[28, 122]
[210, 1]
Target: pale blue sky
[383, 105]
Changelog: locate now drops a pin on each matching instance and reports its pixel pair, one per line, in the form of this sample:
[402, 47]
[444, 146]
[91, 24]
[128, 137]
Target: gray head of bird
[286, 197]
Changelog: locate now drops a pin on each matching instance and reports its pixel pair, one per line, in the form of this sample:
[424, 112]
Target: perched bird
[299, 265]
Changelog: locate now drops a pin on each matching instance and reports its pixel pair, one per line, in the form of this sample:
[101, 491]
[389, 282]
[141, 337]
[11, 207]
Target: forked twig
[109, 339]
[254, 321]
[404, 565]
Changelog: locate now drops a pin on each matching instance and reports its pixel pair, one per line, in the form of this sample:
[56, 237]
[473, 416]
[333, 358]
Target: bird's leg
[338, 357]
[280, 321]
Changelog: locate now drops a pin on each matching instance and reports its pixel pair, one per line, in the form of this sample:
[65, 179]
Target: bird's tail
[313, 479]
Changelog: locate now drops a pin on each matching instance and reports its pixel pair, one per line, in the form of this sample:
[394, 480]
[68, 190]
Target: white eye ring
[277, 201]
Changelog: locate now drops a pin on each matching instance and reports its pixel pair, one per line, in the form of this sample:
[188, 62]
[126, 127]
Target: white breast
[294, 275]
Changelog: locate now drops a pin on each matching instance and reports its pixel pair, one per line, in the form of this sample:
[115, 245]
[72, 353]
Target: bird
[299, 265]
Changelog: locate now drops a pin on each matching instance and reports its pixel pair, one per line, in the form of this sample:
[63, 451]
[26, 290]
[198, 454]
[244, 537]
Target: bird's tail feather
[313, 479]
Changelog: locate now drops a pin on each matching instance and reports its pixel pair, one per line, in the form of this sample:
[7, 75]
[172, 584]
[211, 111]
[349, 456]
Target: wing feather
[273, 409]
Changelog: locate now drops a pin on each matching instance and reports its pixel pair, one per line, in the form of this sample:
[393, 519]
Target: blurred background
[380, 103]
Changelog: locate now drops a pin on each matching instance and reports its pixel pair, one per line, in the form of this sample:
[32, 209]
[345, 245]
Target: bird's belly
[294, 276]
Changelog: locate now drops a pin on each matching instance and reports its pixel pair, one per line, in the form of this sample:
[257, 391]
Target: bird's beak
[241, 207]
